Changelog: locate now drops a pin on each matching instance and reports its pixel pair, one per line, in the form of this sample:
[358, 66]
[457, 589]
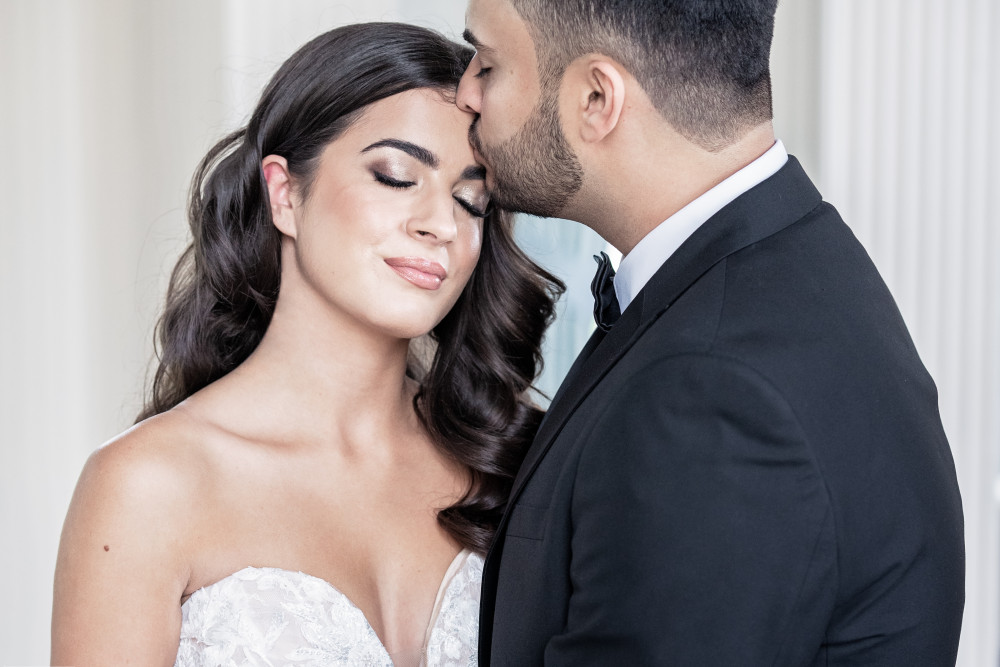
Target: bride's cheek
[475, 243]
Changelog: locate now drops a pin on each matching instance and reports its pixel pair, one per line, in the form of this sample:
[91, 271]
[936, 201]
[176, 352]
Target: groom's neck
[646, 172]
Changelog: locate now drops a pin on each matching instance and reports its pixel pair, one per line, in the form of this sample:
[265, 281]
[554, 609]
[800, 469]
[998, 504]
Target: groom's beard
[535, 171]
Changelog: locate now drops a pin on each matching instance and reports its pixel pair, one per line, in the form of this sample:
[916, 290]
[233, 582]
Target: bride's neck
[328, 377]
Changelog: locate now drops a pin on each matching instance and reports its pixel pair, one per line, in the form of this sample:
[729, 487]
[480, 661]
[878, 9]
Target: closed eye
[472, 210]
[392, 182]
[483, 71]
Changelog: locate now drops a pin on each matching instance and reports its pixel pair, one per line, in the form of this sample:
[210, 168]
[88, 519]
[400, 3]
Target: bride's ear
[279, 190]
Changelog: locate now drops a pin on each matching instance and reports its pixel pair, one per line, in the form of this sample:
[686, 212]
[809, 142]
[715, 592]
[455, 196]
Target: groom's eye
[483, 71]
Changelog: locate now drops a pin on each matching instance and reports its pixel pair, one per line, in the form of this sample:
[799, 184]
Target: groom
[747, 467]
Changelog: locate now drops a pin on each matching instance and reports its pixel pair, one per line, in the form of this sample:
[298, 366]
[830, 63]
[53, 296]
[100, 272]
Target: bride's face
[391, 226]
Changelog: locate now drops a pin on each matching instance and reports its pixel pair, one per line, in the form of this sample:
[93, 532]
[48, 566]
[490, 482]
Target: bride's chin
[413, 322]
[408, 330]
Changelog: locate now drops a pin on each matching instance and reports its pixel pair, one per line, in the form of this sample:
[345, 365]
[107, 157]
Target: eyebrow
[472, 39]
[475, 173]
[418, 152]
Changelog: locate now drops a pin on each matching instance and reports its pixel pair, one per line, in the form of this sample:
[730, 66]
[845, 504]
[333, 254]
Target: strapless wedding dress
[269, 616]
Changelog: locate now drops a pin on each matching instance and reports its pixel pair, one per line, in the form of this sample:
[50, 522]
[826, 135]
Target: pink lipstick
[423, 273]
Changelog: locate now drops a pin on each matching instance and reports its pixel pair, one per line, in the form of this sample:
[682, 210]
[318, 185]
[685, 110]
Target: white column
[909, 102]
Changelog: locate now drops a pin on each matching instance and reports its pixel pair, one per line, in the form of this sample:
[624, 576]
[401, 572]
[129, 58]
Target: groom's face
[517, 132]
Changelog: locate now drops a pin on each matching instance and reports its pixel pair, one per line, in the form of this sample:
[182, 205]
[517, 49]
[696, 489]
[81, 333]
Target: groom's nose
[470, 93]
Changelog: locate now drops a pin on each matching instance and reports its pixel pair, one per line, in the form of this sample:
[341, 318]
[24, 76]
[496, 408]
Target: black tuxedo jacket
[748, 469]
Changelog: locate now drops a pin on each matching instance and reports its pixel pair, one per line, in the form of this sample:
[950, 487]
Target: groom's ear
[595, 86]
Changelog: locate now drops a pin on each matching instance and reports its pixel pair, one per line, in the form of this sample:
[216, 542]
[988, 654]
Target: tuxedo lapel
[600, 349]
[601, 353]
[588, 349]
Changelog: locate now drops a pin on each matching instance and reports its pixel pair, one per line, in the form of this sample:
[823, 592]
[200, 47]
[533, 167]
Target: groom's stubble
[535, 171]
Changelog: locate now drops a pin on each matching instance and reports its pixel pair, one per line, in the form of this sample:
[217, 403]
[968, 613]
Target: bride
[306, 486]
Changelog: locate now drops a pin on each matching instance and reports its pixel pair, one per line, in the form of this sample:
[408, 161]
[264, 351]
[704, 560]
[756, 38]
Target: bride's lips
[421, 272]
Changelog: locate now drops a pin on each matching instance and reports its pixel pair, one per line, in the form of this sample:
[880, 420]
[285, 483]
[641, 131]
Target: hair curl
[474, 396]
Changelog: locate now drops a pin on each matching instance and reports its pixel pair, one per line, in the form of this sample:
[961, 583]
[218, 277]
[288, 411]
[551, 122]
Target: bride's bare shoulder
[130, 530]
[144, 480]
[170, 449]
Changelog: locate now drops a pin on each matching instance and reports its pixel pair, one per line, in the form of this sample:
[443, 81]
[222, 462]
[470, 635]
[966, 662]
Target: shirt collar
[657, 246]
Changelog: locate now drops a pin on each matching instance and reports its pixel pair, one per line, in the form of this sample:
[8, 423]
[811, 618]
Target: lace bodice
[268, 616]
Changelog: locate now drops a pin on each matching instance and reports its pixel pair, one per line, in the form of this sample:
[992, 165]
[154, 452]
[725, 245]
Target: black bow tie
[606, 310]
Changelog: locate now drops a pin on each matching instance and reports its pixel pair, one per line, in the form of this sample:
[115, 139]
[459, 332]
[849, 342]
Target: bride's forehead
[423, 117]
[417, 107]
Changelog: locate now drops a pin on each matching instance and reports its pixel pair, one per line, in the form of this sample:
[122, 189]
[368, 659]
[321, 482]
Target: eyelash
[483, 71]
[402, 185]
[392, 182]
[470, 209]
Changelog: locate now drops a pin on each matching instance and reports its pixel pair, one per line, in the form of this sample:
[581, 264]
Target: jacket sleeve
[702, 532]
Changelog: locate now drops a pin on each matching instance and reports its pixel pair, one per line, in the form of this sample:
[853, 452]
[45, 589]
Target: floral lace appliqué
[269, 617]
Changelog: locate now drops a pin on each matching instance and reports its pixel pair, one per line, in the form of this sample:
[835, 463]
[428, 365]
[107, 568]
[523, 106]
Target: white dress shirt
[657, 246]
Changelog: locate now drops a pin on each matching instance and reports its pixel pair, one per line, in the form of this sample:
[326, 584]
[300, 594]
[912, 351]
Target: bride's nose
[434, 219]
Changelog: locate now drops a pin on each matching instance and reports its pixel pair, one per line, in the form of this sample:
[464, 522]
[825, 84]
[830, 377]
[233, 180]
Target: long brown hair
[473, 397]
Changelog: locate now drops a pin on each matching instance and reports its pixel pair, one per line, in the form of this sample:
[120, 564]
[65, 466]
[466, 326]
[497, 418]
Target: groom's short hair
[703, 63]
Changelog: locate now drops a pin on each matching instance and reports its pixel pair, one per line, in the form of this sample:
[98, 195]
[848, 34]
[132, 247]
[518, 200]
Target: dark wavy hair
[485, 354]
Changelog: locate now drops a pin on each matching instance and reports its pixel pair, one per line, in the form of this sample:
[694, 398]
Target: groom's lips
[475, 140]
[490, 180]
[477, 153]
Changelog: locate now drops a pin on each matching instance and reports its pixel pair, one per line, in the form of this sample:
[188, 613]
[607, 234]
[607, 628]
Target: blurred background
[106, 106]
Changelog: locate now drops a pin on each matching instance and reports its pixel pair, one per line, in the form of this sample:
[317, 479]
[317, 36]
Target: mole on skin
[107, 548]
